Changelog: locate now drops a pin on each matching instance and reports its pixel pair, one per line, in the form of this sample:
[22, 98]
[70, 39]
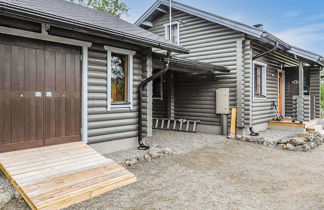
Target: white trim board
[84, 97]
[166, 30]
[130, 55]
[264, 78]
[44, 37]
[283, 90]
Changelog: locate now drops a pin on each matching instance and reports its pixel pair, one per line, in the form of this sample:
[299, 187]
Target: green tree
[114, 7]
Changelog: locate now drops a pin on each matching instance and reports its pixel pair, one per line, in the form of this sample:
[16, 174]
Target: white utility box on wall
[222, 101]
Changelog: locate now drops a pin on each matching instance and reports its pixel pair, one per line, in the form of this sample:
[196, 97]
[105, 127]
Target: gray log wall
[211, 43]
[115, 124]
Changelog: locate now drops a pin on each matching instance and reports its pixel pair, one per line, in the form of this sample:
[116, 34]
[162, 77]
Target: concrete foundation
[287, 128]
[115, 146]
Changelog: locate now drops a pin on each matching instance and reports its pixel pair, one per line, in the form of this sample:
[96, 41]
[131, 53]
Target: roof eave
[202, 14]
[6, 8]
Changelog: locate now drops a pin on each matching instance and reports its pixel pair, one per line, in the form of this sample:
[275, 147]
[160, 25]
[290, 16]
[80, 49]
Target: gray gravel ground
[224, 174]
[177, 141]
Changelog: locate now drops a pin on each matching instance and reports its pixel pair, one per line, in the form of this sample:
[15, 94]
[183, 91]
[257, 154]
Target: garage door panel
[50, 71]
[5, 121]
[18, 120]
[60, 117]
[40, 119]
[30, 119]
[40, 68]
[49, 118]
[5, 67]
[30, 69]
[60, 72]
[17, 68]
[70, 72]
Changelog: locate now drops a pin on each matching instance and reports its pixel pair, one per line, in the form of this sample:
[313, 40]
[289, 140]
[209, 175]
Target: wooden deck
[56, 177]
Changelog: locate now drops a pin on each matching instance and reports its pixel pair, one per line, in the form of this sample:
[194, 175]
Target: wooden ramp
[56, 177]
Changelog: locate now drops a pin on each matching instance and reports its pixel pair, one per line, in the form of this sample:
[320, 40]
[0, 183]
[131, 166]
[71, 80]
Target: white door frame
[283, 91]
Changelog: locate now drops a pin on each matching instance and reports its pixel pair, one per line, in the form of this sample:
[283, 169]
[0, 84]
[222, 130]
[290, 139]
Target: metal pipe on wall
[141, 86]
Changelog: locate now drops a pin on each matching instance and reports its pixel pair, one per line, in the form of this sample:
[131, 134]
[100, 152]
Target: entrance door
[39, 94]
[280, 93]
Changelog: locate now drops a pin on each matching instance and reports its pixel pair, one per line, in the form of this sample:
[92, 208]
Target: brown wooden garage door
[40, 98]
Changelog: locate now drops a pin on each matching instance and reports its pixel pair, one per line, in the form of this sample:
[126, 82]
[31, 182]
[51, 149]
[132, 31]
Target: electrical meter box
[222, 101]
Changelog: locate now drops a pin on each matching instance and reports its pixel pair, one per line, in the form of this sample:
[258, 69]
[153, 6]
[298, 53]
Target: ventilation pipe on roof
[141, 86]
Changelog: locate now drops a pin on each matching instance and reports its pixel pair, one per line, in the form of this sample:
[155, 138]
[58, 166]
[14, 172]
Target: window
[158, 87]
[175, 32]
[119, 78]
[259, 80]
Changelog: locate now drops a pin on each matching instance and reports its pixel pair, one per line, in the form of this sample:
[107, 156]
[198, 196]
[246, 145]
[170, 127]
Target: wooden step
[59, 176]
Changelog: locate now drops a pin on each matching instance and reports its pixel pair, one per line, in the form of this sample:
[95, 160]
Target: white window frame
[166, 33]
[130, 55]
[264, 80]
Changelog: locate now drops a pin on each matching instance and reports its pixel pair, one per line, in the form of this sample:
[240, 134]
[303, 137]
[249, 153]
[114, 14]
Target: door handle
[48, 94]
[38, 94]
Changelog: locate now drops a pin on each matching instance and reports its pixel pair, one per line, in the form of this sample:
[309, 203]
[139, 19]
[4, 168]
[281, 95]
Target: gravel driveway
[225, 174]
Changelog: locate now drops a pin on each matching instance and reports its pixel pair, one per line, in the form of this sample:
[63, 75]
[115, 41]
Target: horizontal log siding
[315, 90]
[160, 106]
[115, 124]
[262, 110]
[211, 43]
[247, 91]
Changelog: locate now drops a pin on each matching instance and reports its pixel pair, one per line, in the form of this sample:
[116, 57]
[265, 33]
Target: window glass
[119, 78]
[174, 33]
[258, 81]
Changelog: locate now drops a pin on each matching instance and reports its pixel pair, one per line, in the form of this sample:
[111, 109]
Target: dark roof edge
[202, 14]
[262, 35]
[12, 9]
[201, 66]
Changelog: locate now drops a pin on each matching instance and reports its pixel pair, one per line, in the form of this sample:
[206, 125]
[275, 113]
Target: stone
[18, 196]
[5, 197]
[147, 157]
[154, 155]
[282, 146]
[296, 141]
[260, 140]
[299, 148]
[312, 145]
[283, 141]
[306, 147]
[291, 147]
[141, 158]
[307, 138]
[131, 162]
[167, 151]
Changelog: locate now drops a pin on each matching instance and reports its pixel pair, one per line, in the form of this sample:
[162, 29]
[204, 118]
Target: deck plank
[58, 176]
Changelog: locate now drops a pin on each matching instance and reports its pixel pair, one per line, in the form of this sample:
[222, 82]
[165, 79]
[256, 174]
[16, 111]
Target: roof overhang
[256, 33]
[34, 15]
[159, 4]
[187, 65]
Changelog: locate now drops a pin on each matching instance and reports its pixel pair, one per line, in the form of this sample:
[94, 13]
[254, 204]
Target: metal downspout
[252, 132]
[267, 52]
[141, 86]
